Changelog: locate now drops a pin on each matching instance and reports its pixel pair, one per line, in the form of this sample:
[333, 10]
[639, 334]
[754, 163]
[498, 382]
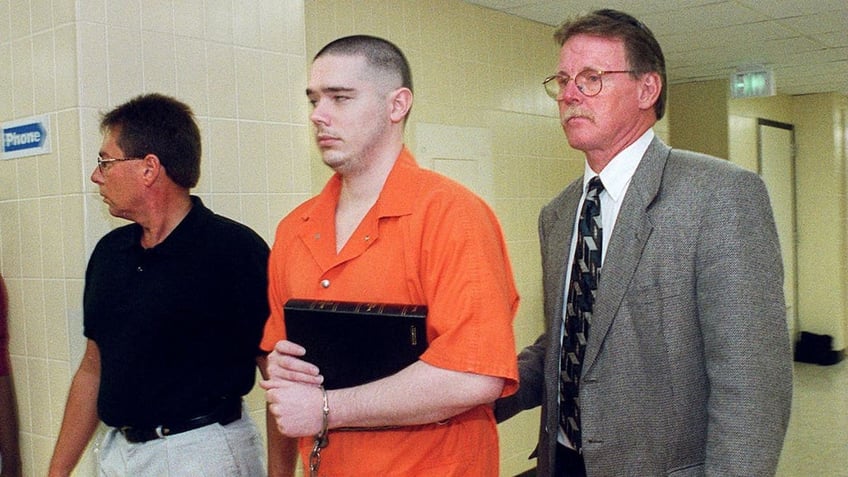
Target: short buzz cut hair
[644, 54]
[379, 53]
[157, 124]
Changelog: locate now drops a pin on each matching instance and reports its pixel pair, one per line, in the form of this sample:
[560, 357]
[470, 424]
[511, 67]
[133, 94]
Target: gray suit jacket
[688, 368]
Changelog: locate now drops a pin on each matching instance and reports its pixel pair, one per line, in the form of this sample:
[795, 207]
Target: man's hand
[284, 364]
[292, 391]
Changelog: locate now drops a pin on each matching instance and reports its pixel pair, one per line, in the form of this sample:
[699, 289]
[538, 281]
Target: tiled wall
[240, 65]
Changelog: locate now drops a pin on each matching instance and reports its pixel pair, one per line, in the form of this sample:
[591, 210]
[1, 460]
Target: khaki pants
[234, 450]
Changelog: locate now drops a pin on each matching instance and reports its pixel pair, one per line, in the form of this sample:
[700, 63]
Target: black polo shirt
[178, 325]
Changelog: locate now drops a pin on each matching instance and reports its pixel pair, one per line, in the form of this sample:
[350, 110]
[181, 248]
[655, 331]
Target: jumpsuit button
[325, 283]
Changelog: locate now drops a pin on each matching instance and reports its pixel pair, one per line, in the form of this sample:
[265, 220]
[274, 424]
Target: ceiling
[804, 42]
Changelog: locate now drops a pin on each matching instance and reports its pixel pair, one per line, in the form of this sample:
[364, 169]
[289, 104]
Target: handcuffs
[322, 439]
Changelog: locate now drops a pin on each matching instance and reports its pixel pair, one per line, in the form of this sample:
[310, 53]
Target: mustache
[575, 112]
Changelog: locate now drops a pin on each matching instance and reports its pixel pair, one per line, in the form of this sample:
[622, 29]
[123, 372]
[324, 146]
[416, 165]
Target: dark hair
[643, 52]
[161, 125]
[379, 53]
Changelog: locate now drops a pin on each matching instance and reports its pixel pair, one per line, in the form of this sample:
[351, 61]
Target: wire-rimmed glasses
[103, 162]
[589, 82]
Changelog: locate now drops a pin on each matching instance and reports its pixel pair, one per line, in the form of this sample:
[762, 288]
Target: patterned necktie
[585, 271]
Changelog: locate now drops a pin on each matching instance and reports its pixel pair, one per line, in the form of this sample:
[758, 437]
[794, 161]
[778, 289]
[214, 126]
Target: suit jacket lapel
[631, 232]
[558, 234]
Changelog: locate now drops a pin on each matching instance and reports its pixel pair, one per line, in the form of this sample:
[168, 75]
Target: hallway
[817, 440]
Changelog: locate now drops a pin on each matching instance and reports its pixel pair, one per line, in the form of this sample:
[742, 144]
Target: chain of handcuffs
[321, 439]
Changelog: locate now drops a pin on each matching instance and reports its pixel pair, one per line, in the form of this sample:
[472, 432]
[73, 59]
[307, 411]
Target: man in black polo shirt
[174, 307]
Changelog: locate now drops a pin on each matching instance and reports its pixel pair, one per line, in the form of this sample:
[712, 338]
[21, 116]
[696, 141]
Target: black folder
[354, 343]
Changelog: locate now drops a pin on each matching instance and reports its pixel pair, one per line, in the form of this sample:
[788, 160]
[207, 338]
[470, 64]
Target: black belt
[228, 411]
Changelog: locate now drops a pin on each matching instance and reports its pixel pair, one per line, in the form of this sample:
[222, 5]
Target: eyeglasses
[103, 162]
[588, 82]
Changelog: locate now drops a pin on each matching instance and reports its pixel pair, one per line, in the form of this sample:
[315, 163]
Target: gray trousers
[234, 450]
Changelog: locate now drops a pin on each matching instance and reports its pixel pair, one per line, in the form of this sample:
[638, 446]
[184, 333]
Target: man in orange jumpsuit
[385, 230]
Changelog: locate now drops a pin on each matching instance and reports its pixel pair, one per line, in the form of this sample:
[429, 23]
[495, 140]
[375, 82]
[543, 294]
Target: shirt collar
[617, 174]
[182, 238]
[397, 198]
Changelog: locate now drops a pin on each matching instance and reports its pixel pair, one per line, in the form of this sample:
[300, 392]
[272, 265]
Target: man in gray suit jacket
[687, 364]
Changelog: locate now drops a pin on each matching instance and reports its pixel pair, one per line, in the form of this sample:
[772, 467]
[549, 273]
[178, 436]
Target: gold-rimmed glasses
[589, 82]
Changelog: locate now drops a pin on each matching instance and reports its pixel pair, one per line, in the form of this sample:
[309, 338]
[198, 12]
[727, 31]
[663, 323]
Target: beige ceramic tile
[43, 72]
[73, 307]
[221, 80]
[160, 72]
[52, 231]
[228, 205]
[23, 390]
[223, 162]
[10, 231]
[90, 10]
[65, 66]
[64, 12]
[5, 21]
[56, 320]
[22, 86]
[93, 64]
[246, 29]
[293, 26]
[253, 159]
[67, 137]
[21, 28]
[39, 379]
[125, 73]
[41, 15]
[280, 205]
[33, 309]
[8, 180]
[73, 224]
[60, 372]
[219, 21]
[157, 16]
[31, 239]
[297, 77]
[124, 14]
[250, 97]
[17, 319]
[6, 94]
[255, 214]
[42, 450]
[90, 140]
[279, 158]
[48, 166]
[302, 141]
[189, 19]
[191, 68]
[277, 106]
[273, 22]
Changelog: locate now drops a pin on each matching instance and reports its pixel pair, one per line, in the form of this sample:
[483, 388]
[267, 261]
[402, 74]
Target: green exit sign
[752, 84]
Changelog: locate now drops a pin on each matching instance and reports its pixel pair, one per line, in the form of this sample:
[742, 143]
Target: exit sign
[26, 137]
[752, 83]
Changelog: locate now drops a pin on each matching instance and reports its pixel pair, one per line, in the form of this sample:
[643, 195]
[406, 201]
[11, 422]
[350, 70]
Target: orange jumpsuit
[427, 240]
